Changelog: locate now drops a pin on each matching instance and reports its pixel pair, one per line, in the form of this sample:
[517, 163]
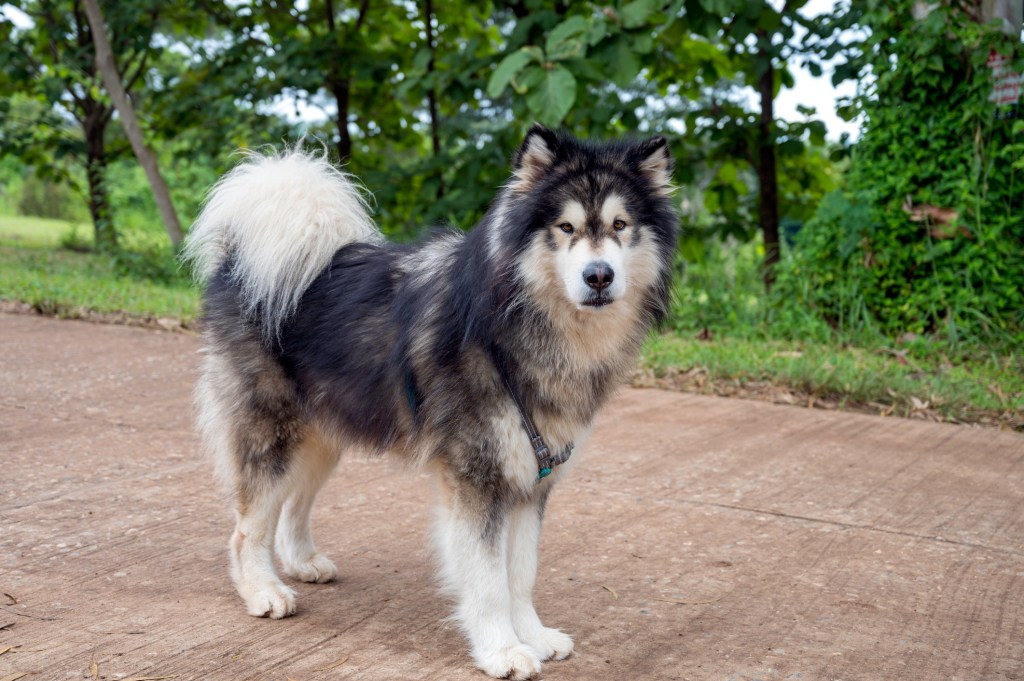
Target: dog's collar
[546, 461]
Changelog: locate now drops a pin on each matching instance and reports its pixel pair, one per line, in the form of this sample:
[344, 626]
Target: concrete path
[701, 538]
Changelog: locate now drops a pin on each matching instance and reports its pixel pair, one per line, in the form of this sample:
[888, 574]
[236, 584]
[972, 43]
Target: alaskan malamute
[482, 357]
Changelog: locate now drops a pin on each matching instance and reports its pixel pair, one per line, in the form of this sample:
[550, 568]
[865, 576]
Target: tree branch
[329, 10]
[435, 137]
[79, 118]
[129, 80]
[363, 10]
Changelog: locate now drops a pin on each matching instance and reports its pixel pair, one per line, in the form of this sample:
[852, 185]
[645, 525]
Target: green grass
[71, 284]
[18, 230]
[745, 356]
[880, 380]
[774, 347]
[34, 269]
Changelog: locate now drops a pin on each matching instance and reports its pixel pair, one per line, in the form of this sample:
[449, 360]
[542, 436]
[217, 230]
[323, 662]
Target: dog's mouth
[598, 300]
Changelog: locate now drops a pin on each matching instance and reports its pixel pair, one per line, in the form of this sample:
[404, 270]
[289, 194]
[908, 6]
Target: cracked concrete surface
[699, 538]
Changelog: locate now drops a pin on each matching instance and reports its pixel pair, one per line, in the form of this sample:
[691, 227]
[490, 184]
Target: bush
[878, 255]
[721, 288]
[45, 198]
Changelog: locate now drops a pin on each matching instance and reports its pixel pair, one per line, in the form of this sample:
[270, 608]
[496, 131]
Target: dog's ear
[655, 163]
[535, 156]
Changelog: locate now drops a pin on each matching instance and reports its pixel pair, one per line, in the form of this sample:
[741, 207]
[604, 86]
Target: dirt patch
[697, 538]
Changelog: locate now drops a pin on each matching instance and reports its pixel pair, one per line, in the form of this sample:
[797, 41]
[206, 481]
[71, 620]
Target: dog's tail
[277, 220]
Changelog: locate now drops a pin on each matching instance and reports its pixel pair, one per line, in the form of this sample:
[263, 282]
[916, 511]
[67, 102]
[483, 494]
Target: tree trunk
[115, 88]
[96, 170]
[766, 172]
[435, 135]
[339, 80]
[341, 96]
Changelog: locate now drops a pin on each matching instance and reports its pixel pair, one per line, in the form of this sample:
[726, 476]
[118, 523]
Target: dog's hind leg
[251, 552]
[312, 465]
[472, 536]
[251, 426]
[524, 538]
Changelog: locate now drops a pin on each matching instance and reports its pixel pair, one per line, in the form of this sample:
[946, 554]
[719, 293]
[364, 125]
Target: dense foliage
[928, 234]
[425, 100]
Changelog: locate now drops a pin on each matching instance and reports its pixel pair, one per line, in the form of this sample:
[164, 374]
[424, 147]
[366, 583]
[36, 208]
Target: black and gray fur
[406, 349]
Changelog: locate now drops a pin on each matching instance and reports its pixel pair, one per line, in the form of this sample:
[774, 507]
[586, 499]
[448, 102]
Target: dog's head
[591, 224]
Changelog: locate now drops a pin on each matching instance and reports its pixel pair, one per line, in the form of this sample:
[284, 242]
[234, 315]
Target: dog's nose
[598, 275]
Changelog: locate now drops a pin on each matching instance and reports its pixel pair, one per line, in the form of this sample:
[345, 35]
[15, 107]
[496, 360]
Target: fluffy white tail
[280, 218]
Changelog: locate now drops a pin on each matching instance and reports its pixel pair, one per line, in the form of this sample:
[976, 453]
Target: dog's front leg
[524, 539]
[472, 535]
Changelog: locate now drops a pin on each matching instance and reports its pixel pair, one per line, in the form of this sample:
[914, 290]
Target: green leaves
[567, 40]
[636, 14]
[550, 88]
[719, 7]
[886, 251]
[546, 76]
[598, 69]
[506, 71]
[619, 60]
[554, 96]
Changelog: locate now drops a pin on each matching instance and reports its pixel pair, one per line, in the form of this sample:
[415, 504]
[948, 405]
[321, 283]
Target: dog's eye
[619, 225]
[566, 227]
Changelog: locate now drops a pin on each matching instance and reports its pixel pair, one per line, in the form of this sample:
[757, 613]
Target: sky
[816, 92]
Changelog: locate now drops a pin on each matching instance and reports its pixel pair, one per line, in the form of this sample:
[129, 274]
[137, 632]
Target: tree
[147, 159]
[928, 231]
[316, 53]
[53, 63]
[425, 99]
[762, 43]
[339, 71]
[689, 57]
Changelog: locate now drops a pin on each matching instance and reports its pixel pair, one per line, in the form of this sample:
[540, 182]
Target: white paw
[318, 569]
[269, 599]
[552, 644]
[516, 662]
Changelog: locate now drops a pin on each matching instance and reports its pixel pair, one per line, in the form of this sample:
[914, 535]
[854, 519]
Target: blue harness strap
[546, 461]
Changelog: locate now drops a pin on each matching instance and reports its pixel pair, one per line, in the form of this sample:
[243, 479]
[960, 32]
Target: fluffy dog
[482, 356]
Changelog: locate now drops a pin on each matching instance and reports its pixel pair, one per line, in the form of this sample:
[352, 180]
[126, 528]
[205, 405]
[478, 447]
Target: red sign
[1006, 83]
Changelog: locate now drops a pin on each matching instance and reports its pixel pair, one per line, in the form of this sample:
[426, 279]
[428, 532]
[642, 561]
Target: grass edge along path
[66, 284]
[881, 381]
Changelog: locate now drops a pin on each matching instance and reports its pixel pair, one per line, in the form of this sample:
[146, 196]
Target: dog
[482, 357]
